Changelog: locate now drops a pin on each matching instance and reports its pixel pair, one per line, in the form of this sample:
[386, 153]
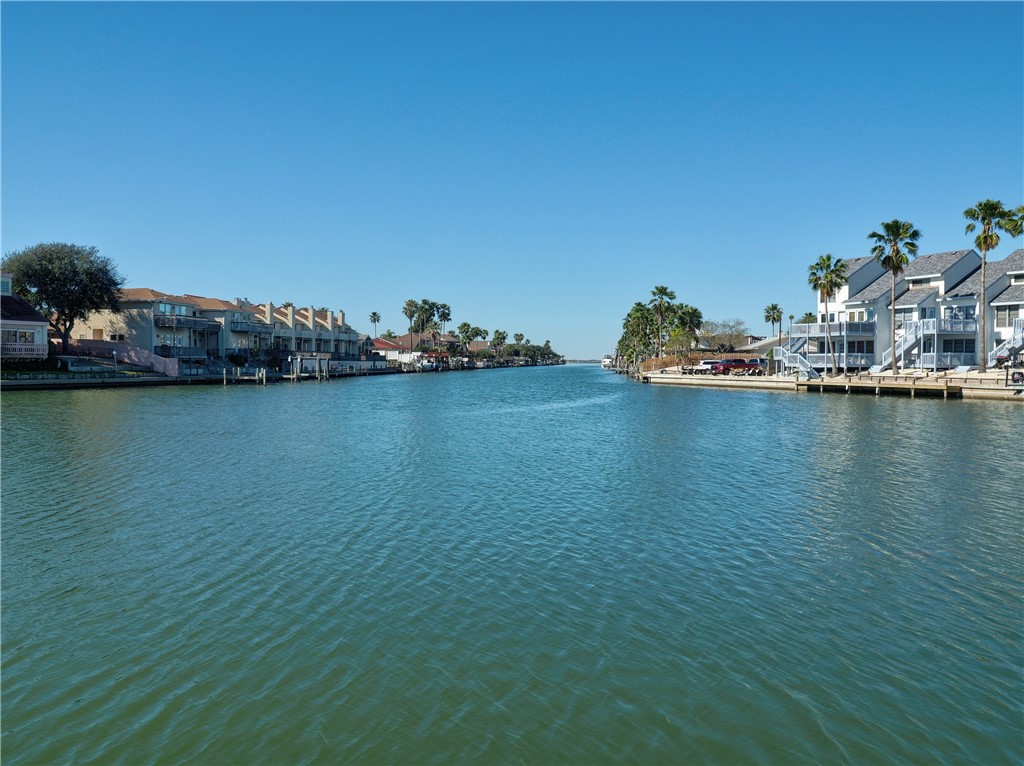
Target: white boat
[607, 362]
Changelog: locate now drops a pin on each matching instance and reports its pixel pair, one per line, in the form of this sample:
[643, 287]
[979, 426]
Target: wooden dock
[910, 385]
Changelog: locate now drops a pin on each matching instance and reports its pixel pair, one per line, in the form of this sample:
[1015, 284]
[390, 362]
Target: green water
[549, 565]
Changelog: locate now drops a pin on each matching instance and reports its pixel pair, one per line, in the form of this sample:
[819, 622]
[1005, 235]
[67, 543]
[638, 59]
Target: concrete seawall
[990, 386]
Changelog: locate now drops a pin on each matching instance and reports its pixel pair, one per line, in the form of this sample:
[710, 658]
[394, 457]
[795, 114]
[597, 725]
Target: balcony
[191, 323]
[951, 326]
[837, 329]
[251, 328]
[824, 361]
[23, 350]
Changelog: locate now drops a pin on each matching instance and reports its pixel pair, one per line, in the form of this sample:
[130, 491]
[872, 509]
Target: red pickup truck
[729, 366]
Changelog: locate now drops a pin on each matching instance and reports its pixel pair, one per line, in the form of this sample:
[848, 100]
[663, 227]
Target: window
[1006, 314]
[871, 315]
[958, 346]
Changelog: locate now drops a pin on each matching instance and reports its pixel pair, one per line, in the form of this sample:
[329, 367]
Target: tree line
[430, 318]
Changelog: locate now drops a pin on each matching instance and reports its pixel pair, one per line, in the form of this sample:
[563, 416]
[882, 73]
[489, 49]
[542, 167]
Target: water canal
[551, 565]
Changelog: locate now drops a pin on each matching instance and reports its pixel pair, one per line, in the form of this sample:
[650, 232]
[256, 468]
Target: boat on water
[607, 362]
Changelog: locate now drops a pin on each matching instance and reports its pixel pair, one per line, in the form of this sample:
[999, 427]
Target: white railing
[792, 360]
[1011, 345]
[837, 329]
[33, 350]
[955, 326]
[843, 360]
[912, 333]
[945, 360]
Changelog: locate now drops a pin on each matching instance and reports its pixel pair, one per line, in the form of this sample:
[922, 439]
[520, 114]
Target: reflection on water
[549, 565]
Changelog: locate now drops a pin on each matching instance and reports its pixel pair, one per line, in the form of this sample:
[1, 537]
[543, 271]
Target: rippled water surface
[551, 565]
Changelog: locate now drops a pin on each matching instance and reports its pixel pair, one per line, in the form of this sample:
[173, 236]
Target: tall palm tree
[662, 298]
[895, 237]
[993, 218]
[773, 315]
[374, 320]
[826, 276]
[518, 338]
[444, 315]
[409, 311]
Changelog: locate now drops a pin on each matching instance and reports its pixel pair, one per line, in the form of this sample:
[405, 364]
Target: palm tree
[518, 338]
[773, 315]
[688, 320]
[993, 218]
[409, 311]
[444, 315]
[498, 341]
[662, 297]
[374, 320]
[888, 250]
[433, 329]
[826, 276]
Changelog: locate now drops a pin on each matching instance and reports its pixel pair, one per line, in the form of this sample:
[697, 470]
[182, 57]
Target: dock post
[225, 376]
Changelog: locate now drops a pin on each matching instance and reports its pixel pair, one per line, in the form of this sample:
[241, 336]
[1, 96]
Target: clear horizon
[539, 167]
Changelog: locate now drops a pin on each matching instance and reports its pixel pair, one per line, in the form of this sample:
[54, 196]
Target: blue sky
[539, 167]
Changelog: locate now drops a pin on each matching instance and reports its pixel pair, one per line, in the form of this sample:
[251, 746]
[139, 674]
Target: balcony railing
[31, 350]
[817, 329]
[952, 326]
[945, 360]
[180, 352]
[251, 328]
[192, 323]
[842, 360]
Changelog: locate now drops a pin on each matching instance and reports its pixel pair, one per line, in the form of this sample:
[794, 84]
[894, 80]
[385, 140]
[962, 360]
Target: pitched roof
[1015, 261]
[386, 344]
[935, 263]
[214, 304]
[16, 309]
[993, 271]
[148, 294]
[1012, 294]
[854, 264]
[874, 291]
[915, 296]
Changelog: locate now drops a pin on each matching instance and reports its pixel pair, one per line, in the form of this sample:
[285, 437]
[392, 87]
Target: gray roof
[875, 290]
[915, 296]
[936, 263]
[853, 264]
[1012, 294]
[1015, 260]
[993, 271]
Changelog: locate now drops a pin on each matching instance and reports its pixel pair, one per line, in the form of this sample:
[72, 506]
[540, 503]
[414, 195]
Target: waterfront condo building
[937, 309]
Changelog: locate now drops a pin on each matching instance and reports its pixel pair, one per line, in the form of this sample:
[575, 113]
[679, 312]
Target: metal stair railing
[794, 359]
[912, 334]
[1011, 345]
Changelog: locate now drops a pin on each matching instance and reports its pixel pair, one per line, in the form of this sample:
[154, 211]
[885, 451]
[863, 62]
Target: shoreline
[990, 386]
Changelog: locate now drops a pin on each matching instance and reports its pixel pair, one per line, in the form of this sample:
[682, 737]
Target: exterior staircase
[912, 333]
[790, 353]
[1011, 346]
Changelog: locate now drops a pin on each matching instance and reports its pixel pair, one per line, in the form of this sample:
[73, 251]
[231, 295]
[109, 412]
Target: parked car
[705, 366]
